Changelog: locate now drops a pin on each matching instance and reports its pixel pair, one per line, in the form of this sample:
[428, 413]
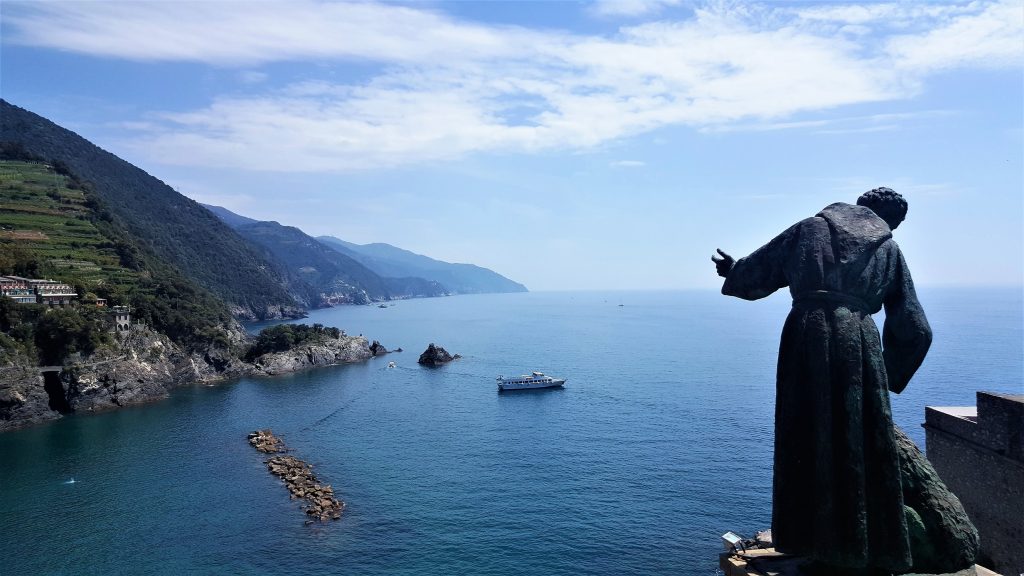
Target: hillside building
[55, 294]
[37, 291]
[122, 320]
[17, 289]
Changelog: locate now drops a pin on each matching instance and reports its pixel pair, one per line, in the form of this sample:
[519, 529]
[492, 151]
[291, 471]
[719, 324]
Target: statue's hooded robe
[836, 492]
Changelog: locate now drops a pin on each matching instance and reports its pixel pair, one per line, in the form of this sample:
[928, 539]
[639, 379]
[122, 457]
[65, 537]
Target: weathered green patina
[839, 490]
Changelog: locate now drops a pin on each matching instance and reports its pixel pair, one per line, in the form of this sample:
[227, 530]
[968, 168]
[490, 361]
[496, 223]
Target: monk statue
[838, 494]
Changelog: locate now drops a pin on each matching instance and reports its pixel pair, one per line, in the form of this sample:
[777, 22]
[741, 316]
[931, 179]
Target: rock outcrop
[377, 349]
[270, 312]
[23, 398]
[942, 537]
[298, 477]
[435, 356]
[328, 352]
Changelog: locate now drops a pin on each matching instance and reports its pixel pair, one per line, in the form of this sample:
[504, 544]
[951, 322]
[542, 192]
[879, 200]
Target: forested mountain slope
[174, 228]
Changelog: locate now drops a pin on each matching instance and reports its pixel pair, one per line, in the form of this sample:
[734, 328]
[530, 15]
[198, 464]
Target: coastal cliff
[146, 368]
[23, 397]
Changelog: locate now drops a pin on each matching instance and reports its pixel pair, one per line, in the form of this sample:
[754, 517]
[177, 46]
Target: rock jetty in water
[435, 356]
[299, 478]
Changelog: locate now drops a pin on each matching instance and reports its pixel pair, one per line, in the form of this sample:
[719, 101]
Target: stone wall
[979, 454]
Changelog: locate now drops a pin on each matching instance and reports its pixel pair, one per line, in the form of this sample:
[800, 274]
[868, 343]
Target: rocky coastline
[298, 477]
[145, 368]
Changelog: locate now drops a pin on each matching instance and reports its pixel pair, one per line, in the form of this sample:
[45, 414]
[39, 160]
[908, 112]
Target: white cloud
[991, 38]
[446, 88]
[627, 164]
[252, 77]
[244, 33]
[837, 125]
[892, 15]
[630, 8]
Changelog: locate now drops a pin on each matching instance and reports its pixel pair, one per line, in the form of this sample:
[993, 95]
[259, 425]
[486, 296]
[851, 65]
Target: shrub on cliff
[284, 337]
[17, 328]
[64, 331]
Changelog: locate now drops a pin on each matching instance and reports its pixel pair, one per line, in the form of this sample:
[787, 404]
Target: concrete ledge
[768, 562]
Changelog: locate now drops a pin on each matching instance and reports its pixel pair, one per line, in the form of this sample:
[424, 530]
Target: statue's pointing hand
[723, 264]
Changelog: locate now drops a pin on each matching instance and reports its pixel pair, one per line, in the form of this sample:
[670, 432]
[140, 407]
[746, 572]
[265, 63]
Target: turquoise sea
[660, 442]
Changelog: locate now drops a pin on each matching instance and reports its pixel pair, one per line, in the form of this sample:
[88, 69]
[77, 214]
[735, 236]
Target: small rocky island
[436, 356]
[298, 477]
[378, 349]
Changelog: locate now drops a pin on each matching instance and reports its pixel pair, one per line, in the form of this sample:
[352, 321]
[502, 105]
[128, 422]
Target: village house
[17, 289]
[37, 291]
[122, 320]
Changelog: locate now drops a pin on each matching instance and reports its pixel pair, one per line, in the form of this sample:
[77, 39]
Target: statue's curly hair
[886, 202]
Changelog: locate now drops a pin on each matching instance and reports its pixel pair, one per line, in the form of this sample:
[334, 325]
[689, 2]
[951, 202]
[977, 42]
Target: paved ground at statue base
[768, 562]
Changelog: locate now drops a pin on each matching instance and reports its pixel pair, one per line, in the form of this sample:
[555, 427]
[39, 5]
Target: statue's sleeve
[906, 335]
[763, 272]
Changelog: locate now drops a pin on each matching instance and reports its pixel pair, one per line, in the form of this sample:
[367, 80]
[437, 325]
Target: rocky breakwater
[298, 477]
[435, 356]
[325, 352]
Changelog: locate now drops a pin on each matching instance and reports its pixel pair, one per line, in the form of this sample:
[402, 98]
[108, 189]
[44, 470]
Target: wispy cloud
[627, 164]
[838, 125]
[860, 130]
[856, 185]
[630, 8]
[252, 77]
[445, 88]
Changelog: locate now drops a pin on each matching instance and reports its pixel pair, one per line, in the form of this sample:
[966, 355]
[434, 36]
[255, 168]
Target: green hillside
[53, 225]
[174, 228]
[46, 224]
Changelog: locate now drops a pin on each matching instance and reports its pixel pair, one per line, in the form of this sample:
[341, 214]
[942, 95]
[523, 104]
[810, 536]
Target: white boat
[535, 380]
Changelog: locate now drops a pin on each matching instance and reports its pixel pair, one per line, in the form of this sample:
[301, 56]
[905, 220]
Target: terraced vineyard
[47, 216]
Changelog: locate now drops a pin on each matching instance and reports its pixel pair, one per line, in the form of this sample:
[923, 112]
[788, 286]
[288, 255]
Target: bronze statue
[837, 493]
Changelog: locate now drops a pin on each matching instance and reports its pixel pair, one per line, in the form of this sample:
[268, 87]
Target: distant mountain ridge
[404, 273]
[229, 217]
[335, 277]
[387, 260]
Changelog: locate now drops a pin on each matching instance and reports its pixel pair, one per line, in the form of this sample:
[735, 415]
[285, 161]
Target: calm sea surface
[661, 441]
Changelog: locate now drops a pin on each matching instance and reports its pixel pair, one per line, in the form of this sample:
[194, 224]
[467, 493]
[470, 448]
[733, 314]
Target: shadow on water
[527, 392]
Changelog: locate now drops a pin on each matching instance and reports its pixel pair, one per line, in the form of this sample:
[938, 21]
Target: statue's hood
[856, 230]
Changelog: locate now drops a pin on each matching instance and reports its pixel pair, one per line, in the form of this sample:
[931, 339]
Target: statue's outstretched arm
[724, 263]
[761, 273]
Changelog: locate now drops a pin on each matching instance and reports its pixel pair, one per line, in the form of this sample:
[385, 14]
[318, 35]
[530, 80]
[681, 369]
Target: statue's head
[885, 202]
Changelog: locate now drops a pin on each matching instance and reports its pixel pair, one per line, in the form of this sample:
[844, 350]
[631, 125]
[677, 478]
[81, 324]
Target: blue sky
[567, 145]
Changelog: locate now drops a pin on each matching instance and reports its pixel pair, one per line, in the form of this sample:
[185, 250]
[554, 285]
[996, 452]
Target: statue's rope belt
[812, 297]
